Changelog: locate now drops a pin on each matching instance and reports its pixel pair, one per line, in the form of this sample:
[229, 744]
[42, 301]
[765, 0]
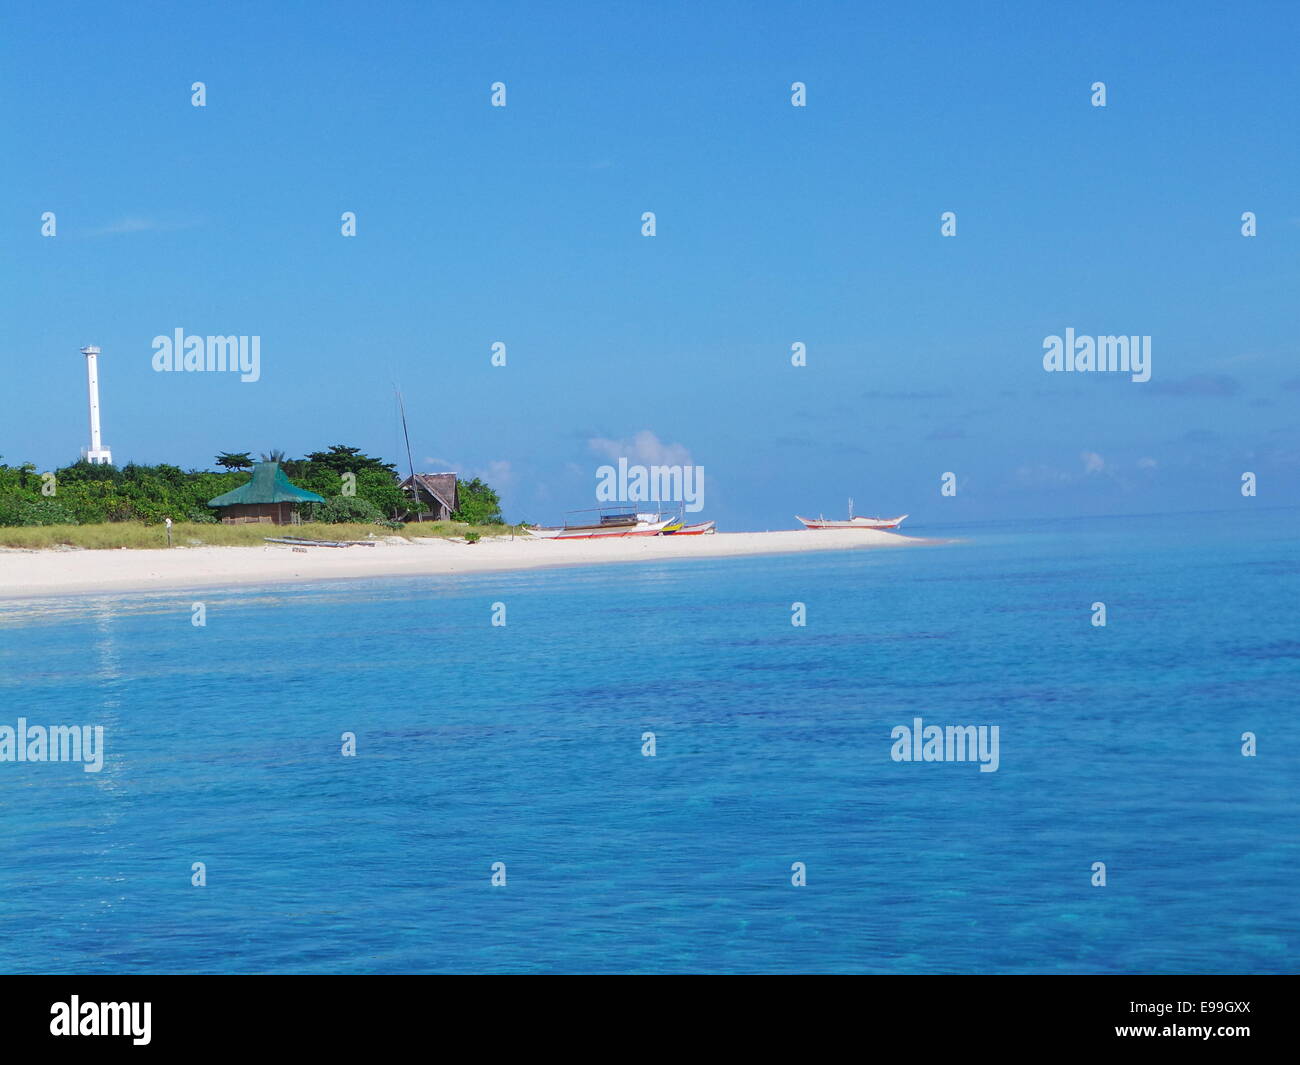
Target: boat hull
[702, 529]
[641, 528]
[854, 523]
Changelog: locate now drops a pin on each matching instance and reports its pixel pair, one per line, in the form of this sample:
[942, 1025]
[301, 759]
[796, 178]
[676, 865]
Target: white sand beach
[27, 574]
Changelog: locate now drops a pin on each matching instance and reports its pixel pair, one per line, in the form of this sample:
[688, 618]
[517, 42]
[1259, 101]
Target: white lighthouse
[98, 453]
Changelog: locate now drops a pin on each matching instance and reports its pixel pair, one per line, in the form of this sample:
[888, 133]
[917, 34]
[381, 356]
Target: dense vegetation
[85, 494]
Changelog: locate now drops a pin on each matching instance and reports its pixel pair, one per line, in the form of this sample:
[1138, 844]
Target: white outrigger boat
[607, 521]
[852, 523]
[704, 528]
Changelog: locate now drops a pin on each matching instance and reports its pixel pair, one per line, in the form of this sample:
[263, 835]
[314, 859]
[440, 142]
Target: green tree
[478, 504]
[235, 460]
[383, 490]
[81, 470]
[343, 459]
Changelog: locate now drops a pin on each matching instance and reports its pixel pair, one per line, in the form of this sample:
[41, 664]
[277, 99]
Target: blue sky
[775, 224]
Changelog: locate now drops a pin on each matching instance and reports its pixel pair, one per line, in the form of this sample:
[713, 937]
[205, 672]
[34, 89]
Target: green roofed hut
[268, 496]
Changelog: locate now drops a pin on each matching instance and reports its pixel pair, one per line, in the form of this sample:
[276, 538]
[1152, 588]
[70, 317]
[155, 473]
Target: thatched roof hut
[268, 496]
[436, 493]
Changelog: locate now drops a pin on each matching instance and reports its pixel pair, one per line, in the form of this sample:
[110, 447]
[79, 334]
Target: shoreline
[39, 574]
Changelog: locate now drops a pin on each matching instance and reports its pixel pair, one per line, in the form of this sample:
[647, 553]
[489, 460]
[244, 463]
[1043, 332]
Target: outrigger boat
[678, 527]
[602, 522]
[852, 523]
[703, 528]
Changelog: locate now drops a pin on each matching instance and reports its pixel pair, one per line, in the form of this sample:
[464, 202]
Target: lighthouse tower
[97, 453]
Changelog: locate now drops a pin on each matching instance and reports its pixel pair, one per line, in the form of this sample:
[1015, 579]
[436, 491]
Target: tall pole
[98, 453]
[415, 487]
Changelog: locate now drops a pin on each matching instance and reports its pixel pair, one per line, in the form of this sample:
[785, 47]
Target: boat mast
[850, 508]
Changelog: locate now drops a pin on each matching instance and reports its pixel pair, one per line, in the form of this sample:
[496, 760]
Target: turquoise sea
[522, 744]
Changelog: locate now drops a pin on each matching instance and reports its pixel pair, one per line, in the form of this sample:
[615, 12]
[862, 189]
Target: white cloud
[139, 224]
[1041, 474]
[645, 448]
[1092, 462]
[126, 225]
[498, 473]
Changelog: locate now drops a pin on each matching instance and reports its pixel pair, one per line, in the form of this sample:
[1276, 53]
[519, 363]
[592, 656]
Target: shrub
[344, 509]
[23, 510]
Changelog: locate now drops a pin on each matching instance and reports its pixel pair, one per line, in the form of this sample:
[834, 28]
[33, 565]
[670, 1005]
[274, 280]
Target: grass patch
[136, 535]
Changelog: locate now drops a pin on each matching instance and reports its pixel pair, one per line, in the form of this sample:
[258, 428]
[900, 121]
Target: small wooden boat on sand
[852, 522]
[602, 522]
[701, 529]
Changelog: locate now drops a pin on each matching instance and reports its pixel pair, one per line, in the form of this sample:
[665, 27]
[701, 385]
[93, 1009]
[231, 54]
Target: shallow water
[522, 744]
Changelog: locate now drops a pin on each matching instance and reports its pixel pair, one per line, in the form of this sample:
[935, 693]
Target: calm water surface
[522, 744]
